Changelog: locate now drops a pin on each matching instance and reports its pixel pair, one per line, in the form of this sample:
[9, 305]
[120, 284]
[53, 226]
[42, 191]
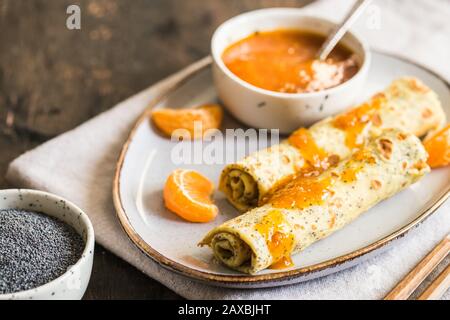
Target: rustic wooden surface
[52, 79]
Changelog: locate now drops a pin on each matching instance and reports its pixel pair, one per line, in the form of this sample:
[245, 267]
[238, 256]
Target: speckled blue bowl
[72, 284]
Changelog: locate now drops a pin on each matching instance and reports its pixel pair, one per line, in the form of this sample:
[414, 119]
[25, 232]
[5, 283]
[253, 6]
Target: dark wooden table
[52, 79]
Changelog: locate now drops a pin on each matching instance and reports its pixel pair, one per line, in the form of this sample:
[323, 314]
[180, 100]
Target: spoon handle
[335, 36]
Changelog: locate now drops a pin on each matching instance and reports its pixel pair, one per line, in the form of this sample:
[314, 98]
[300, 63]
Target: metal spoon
[337, 34]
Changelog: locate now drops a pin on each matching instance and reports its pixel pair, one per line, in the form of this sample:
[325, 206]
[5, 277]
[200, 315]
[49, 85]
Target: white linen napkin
[79, 165]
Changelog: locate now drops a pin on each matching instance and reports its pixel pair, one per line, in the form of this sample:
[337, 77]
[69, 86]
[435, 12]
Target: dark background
[53, 79]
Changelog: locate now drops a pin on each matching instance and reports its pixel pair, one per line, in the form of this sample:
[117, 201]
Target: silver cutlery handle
[334, 38]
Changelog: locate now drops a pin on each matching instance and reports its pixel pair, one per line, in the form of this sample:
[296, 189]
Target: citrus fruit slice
[188, 123]
[438, 147]
[187, 193]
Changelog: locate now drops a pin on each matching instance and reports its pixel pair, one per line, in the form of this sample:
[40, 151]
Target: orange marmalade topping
[305, 191]
[302, 192]
[356, 164]
[283, 263]
[310, 151]
[350, 174]
[284, 61]
[280, 241]
[355, 121]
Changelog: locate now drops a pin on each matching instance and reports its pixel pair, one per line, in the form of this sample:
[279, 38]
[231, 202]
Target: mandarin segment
[191, 123]
[187, 193]
[313, 154]
[438, 148]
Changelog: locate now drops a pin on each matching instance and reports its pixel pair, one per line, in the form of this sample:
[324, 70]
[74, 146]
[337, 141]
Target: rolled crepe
[308, 209]
[407, 104]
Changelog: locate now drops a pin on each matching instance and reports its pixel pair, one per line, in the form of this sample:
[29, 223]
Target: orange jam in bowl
[266, 75]
[284, 61]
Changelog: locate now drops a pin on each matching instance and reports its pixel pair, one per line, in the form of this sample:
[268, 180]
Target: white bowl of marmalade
[267, 76]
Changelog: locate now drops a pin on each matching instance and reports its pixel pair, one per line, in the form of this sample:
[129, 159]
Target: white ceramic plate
[145, 164]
